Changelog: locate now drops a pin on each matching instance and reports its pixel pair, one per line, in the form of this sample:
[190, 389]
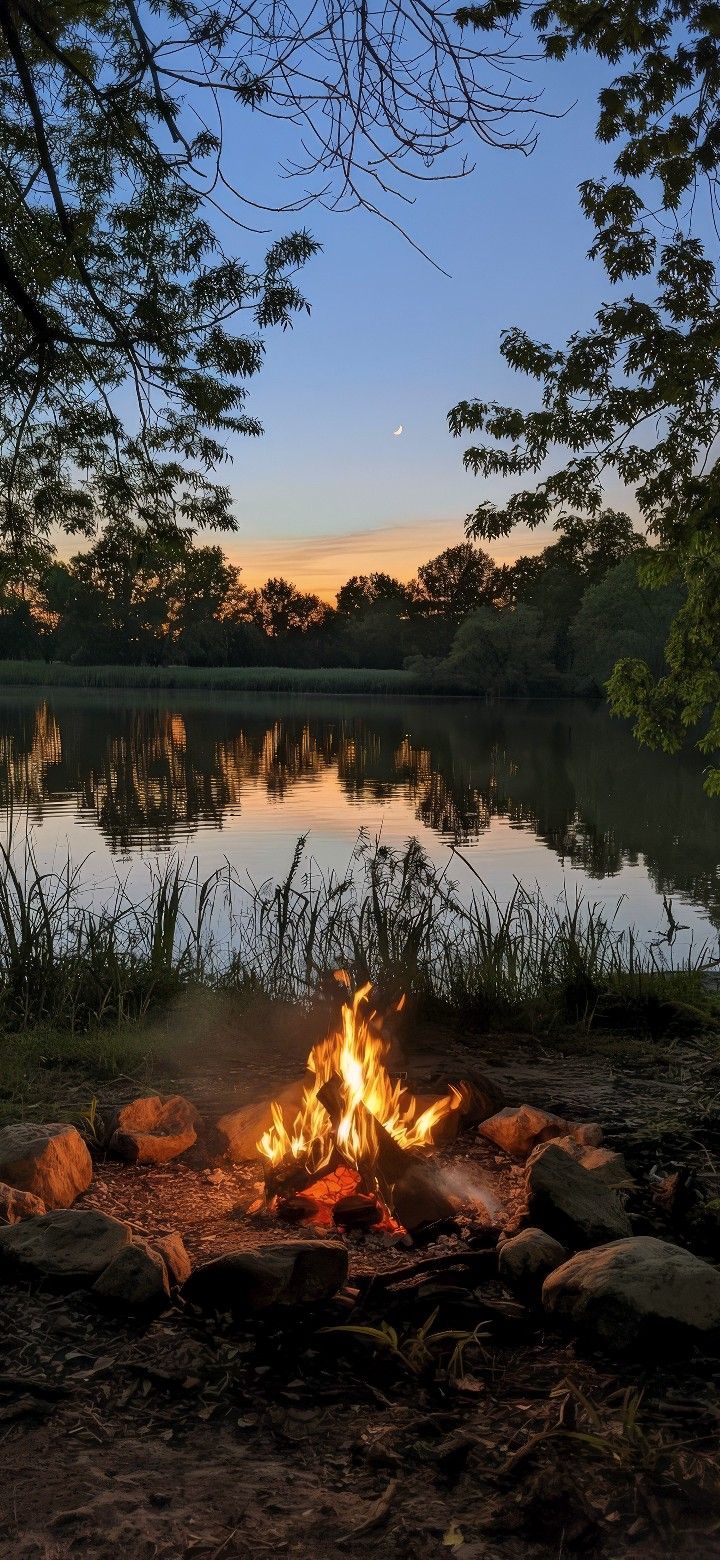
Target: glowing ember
[350, 1095]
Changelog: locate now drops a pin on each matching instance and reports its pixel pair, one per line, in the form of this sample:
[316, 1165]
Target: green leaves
[635, 399]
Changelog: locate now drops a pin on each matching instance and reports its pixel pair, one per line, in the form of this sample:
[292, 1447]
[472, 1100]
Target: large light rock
[153, 1130]
[69, 1245]
[136, 1278]
[294, 1273]
[638, 1293]
[240, 1130]
[525, 1260]
[50, 1160]
[16, 1205]
[570, 1202]
[519, 1128]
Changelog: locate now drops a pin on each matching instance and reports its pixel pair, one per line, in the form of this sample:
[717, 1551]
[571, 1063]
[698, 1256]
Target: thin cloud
[322, 563]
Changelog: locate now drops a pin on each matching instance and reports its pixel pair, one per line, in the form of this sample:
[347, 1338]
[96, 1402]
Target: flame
[356, 1055]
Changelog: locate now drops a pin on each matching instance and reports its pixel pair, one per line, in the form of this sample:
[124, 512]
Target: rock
[136, 1277]
[602, 1163]
[153, 1130]
[525, 1260]
[240, 1130]
[638, 1293]
[16, 1205]
[480, 1096]
[571, 1203]
[50, 1160]
[588, 1132]
[73, 1245]
[172, 1250]
[294, 1273]
[519, 1129]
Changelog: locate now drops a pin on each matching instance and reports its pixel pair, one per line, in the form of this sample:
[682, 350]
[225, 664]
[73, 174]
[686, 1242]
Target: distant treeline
[550, 623]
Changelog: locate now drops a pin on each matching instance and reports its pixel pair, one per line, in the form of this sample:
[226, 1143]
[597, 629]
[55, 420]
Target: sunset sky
[328, 491]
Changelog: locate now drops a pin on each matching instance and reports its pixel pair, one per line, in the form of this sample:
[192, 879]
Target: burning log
[358, 1212]
[408, 1184]
[419, 1197]
[292, 1176]
[352, 1112]
[331, 1095]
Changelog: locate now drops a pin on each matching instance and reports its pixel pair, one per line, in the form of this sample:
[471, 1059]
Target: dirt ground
[188, 1435]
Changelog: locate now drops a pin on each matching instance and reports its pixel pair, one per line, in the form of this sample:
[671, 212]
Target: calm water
[553, 793]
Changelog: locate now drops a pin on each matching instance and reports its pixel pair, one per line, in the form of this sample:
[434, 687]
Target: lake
[548, 792]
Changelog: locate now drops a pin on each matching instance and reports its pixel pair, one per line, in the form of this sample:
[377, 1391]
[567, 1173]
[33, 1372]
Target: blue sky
[328, 491]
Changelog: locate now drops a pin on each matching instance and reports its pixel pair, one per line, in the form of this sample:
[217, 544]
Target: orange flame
[355, 1053]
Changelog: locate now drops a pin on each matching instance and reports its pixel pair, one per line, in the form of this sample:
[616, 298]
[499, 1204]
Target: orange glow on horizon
[321, 564]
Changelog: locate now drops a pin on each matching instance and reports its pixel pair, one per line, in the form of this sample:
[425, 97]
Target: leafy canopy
[637, 396]
[127, 332]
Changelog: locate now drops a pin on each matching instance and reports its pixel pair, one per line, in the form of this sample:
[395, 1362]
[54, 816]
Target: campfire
[357, 1151]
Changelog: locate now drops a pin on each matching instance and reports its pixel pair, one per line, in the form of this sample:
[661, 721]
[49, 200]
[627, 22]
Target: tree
[592, 546]
[553, 581]
[457, 581]
[113, 280]
[279, 608]
[500, 653]
[636, 397]
[617, 619]
[363, 591]
[110, 601]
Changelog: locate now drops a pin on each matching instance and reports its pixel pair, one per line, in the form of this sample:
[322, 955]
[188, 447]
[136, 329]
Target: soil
[189, 1435]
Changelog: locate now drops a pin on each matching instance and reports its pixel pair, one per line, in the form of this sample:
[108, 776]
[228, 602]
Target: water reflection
[150, 773]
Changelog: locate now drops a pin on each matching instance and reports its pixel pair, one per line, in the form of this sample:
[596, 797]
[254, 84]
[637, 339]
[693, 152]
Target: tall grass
[239, 679]
[69, 960]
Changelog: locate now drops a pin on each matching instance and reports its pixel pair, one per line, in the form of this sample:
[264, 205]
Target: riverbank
[348, 681]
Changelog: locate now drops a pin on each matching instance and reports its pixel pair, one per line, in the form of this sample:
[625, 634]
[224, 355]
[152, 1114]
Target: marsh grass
[76, 962]
[240, 679]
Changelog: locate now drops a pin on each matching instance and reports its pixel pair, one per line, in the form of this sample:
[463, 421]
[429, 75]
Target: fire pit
[357, 1151]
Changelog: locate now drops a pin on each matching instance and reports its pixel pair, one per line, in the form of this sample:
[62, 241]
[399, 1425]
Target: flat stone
[153, 1130]
[240, 1130]
[525, 1260]
[292, 1273]
[520, 1128]
[640, 1293]
[172, 1250]
[67, 1245]
[136, 1278]
[15, 1205]
[51, 1160]
[570, 1202]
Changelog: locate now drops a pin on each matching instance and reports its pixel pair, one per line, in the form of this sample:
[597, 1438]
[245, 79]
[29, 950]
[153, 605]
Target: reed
[238, 679]
[73, 960]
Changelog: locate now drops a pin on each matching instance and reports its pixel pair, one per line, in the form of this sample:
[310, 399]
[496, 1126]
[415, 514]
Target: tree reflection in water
[150, 773]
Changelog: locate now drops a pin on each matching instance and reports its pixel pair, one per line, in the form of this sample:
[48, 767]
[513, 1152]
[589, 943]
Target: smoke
[469, 1187]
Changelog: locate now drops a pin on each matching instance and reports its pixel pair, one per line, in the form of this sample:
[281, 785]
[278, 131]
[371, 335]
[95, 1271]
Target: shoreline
[350, 682]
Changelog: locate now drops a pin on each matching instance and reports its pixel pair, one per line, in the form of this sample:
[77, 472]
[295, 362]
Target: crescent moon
[397, 431]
